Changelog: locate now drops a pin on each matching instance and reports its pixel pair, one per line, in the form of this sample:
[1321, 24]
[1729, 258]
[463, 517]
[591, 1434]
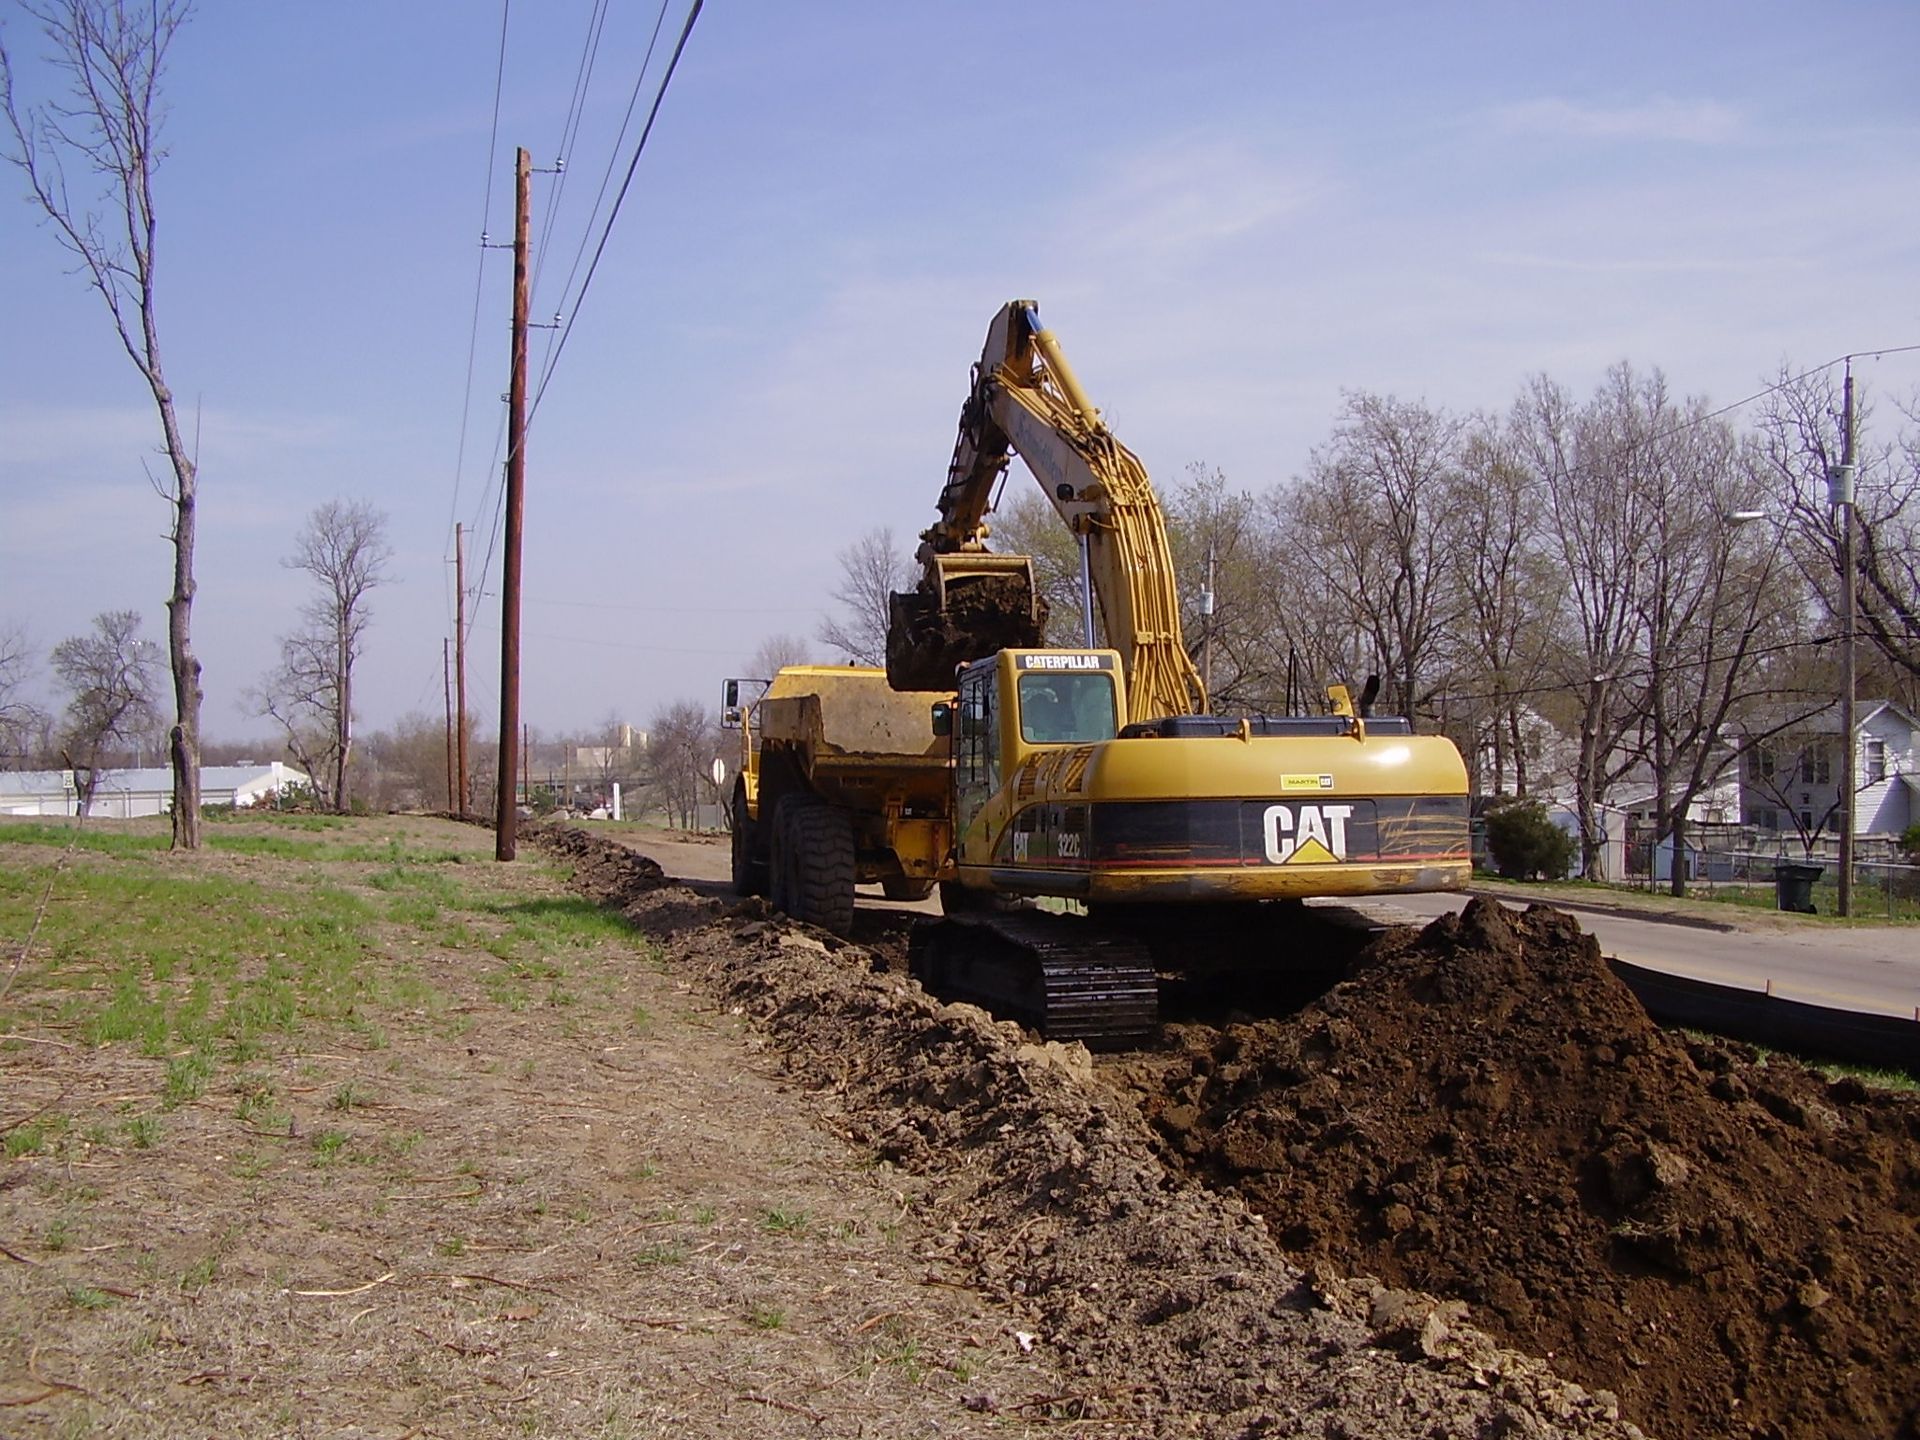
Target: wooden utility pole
[446, 683]
[1843, 502]
[459, 806]
[506, 817]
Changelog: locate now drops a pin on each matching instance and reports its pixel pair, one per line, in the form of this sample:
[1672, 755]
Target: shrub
[1526, 844]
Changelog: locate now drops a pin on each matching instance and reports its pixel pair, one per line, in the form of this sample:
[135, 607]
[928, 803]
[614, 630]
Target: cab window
[1066, 709]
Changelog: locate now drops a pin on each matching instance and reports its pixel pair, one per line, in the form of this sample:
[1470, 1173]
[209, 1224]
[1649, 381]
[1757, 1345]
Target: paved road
[1876, 970]
[1872, 969]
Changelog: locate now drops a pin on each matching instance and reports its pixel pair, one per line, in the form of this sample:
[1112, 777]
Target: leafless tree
[776, 652]
[1710, 609]
[1370, 523]
[1506, 591]
[108, 675]
[1209, 521]
[112, 54]
[1027, 524]
[343, 546]
[871, 570]
[1583, 459]
[20, 719]
[681, 745]
[1800, 426]
[410, 759]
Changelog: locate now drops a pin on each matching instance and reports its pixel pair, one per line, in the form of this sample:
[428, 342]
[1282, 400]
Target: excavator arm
[1026, 400]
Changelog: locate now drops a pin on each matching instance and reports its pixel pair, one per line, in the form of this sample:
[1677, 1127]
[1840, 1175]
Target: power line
[486, 219]
[686, 31]
[570, 129]
[606, 178]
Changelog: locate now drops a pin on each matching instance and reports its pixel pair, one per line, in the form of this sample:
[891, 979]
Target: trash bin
[1793, 886]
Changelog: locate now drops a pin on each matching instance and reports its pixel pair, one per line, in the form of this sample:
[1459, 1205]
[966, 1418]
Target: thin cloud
[1650, 265]
[1696, 122]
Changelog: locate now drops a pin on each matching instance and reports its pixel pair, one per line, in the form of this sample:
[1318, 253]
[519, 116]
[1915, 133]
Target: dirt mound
[1170, 1301]
[1485, 1112]
[598, 864]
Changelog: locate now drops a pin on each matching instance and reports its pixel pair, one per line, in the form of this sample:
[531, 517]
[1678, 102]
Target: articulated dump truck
[841, 782]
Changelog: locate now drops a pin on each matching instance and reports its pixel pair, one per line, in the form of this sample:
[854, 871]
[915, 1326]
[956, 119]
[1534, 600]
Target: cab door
[976, 771]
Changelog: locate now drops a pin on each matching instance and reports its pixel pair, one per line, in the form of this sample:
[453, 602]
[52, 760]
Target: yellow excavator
[1095, 774]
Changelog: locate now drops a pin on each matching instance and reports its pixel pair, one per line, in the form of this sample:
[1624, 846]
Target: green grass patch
[784, 1222]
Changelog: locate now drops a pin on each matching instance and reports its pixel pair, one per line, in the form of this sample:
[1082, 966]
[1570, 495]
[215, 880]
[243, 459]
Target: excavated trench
[1478, 1111]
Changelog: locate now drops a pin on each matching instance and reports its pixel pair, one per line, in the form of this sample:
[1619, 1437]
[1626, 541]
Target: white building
[124, 794]
[1790, 781]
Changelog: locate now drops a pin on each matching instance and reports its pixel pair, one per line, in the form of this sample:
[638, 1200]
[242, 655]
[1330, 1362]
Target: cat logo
[1306, 834]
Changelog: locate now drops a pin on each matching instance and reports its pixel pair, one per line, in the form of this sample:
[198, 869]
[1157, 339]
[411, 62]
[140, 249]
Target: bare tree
[1800, 427]
[1376, 502]
[343, 546]
[1027, 524]
[776, 652]
[109, 676]
[871, 570]
[112, 53]
[1710, 601]
[1583, 460]
[1213, 527]
[20, 719]
[1506, 589]
[681, 745]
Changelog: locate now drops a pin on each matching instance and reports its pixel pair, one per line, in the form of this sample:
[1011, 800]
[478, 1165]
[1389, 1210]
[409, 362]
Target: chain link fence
[1882, 888]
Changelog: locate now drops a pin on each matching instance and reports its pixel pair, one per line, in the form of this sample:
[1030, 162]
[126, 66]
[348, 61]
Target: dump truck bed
[856, 739]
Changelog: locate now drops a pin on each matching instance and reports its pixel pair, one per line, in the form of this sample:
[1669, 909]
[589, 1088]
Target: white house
[123, 794]
[1791, 781]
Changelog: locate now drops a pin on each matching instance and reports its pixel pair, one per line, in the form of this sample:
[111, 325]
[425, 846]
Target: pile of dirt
[597, 865]
[1484, 1112]
[1170, 1300]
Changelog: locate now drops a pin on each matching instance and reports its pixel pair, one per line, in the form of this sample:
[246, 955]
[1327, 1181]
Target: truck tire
[749, 855]
[779, 854]
[905, 887]
[814, 862]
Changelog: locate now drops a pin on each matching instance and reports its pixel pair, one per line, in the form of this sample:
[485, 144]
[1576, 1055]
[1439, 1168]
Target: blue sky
[1229, 213]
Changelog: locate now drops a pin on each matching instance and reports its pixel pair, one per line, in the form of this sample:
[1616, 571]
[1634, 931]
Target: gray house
[1791, 780]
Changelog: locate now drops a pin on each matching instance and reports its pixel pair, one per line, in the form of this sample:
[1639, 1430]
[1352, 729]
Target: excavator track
[1064, 976]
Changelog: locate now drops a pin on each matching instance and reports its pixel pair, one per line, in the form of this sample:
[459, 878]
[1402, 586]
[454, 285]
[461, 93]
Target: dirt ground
[725, 1176]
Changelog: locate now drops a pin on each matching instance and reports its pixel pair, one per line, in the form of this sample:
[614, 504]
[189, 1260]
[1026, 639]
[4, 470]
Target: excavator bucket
[971, 604]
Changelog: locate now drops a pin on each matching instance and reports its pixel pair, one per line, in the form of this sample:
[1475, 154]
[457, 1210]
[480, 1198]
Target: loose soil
[1484, 1112]
[737, 1177]
[983, 613]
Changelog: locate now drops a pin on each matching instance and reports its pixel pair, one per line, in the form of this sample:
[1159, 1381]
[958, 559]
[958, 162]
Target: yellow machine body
[1189, 809]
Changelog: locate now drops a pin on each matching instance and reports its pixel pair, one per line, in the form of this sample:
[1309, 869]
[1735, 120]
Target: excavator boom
[1025, 399]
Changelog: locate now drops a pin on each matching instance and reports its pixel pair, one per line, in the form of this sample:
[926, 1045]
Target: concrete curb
[1602, 907]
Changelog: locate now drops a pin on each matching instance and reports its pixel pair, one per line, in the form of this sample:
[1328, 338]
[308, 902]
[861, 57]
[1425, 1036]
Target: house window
[1806, 821]
[1873, 759]
[1816, 766]
[1760, 763]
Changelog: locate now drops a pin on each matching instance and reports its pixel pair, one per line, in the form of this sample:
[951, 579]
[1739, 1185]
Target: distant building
[125, 794]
